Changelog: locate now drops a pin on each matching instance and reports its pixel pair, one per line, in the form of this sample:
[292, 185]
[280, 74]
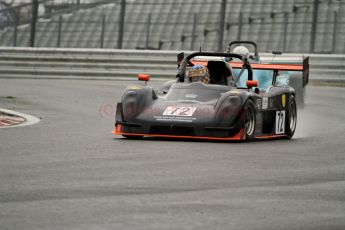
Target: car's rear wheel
[291, 117]
[249, 120]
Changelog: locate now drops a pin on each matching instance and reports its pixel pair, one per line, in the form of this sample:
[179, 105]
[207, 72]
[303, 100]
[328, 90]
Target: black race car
[223, 109]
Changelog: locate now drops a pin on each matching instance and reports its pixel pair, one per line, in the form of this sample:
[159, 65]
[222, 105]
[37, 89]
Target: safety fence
[111, 64]
[313, 26]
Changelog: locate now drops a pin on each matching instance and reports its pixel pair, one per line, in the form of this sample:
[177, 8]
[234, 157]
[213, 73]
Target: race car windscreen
[264, 78]
[201, 94]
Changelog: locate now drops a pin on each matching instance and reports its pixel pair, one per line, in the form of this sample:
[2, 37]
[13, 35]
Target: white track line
[30, 120]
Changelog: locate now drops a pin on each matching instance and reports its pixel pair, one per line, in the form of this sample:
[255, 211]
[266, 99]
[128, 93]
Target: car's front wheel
[249, 120]
[291, 117]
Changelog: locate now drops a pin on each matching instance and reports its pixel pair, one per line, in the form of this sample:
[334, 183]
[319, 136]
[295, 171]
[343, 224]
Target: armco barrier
[19, 62]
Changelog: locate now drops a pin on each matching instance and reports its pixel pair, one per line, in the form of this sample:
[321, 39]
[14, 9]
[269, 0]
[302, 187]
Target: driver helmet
[241, 50]
[199, 73]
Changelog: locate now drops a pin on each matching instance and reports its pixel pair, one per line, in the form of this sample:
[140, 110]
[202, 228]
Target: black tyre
[291, 117]
[249, 120]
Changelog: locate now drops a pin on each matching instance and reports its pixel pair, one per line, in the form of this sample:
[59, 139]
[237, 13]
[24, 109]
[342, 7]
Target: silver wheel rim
[250, 121]
[293, 116]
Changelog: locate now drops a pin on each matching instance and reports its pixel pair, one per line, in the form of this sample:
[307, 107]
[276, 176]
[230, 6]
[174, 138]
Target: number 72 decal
[280, 122]
[179, 111]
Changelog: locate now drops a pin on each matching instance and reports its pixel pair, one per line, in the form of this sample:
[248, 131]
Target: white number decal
[179, 111]
[280, 122]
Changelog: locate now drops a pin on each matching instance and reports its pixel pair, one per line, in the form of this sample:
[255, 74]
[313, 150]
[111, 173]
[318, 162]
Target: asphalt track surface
[70, 172]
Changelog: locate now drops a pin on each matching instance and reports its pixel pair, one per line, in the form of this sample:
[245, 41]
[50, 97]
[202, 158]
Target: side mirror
[144, 77]
[252, 83]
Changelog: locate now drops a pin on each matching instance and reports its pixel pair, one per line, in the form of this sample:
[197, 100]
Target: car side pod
[144, 77]
[252, 83]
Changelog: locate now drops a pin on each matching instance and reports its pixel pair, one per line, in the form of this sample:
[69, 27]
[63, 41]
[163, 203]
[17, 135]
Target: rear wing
[300, 65]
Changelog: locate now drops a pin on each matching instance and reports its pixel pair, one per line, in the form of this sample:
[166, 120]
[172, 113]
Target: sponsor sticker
[134, 87]
[192, 96]
[235, 92]
[258, 103]
[174, 118]
[283, 100]
[183, 111]
[264, 102]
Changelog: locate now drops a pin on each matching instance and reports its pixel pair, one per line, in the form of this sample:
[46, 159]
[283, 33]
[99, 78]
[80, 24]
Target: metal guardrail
[146, 28]
[25, 62]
